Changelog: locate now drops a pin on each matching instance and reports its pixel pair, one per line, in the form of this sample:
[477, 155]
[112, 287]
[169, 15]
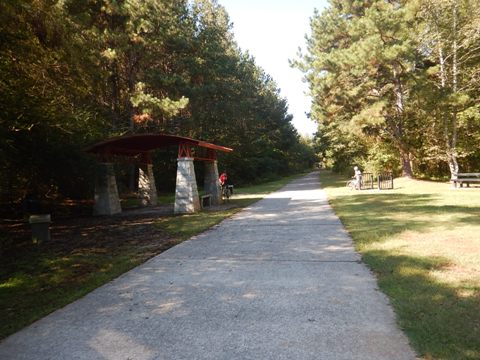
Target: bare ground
[97, 234]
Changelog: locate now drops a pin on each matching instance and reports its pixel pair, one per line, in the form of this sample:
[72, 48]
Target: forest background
[74, 72]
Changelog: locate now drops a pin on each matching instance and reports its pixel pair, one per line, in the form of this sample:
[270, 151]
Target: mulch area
[89, 233]
[131, 228]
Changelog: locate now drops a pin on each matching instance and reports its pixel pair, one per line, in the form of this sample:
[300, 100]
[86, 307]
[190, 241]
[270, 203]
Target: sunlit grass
[422, 240]
[185, 226]
[47, 283]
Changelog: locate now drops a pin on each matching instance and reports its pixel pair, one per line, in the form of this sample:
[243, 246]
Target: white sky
[272, 31]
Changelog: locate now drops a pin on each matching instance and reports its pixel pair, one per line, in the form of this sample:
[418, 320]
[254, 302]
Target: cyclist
[358, 178]
[223, 183]
[223, 178]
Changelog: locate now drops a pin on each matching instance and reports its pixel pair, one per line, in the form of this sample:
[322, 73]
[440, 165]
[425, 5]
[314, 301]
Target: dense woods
[74, 72]
[396, 85]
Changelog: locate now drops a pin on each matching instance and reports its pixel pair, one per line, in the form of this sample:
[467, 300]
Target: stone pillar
[146, 185]
[211, 184]
[40, 228]
[107, 201]
[186, 192]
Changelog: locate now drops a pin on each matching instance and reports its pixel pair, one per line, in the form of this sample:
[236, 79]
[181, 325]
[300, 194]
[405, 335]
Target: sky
[272, 31]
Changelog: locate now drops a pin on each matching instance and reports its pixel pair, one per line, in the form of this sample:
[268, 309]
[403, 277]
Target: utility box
[40, 227]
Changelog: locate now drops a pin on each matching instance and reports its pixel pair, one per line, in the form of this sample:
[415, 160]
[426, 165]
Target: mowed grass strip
[422, 239]
[36, 280]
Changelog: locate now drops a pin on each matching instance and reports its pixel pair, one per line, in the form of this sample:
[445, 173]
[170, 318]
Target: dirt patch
[133, 228]
[89, 234]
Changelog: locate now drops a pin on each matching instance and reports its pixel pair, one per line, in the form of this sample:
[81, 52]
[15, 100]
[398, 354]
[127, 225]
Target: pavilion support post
[146, 185]
[107, 201]
[186, 191]
[211, 184]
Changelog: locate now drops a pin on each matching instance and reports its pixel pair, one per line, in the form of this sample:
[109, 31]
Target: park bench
[206, 200]
[465, 178]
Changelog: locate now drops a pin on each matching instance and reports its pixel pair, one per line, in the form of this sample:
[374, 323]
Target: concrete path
[280, 280]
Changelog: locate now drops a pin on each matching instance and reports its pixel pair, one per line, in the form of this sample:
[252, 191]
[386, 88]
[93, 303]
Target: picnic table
[465, 178]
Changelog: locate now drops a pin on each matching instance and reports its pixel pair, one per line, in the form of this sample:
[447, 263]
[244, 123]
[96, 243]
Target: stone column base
[107, 201]
[186, 191]
[211, 184]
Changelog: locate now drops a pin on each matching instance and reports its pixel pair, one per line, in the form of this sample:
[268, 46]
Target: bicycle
[227, 192]
[352, 184]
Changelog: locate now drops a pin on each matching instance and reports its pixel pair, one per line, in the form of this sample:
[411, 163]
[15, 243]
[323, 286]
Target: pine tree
[359, 65]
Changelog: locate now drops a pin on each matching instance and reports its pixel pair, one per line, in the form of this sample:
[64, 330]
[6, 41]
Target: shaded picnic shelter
[138, 149]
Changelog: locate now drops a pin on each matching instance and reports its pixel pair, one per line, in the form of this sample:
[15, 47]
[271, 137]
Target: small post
[40, 228]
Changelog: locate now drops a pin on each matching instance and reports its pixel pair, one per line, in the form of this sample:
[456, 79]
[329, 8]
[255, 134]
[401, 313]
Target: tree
[133, 41]
[45, 101]
[359, 65]
[450, 42]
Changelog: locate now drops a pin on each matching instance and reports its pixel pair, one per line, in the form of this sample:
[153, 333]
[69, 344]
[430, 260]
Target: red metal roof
[132, 145]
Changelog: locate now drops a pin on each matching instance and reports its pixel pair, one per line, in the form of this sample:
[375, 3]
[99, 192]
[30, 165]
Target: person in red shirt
[223, 178]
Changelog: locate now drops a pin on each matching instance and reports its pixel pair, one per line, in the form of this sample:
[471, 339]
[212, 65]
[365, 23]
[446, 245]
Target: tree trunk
[133, 171]
[452, 151]
[453, 164]
[450, 120]
[399, 102]
[406, 165]
[115, 96]
[133, 176]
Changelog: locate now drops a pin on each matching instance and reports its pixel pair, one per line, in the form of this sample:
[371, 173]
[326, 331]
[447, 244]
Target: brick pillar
[211, 184]
[107, 201]
[146, 185]
[186, 192]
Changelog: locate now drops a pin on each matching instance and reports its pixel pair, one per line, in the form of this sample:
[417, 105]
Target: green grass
[422, 240]
[36, 280]
[44, 282]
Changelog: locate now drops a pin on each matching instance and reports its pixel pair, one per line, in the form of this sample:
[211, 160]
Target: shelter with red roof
[139, 148]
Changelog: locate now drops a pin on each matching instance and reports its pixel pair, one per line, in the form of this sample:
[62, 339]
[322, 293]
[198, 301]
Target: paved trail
[280, 280]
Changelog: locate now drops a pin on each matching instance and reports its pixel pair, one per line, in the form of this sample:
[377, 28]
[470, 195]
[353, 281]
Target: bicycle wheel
[225, 193]
[350, 184]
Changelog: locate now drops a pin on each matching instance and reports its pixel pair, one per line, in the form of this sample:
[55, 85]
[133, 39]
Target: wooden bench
[465, 178]
[206, 200]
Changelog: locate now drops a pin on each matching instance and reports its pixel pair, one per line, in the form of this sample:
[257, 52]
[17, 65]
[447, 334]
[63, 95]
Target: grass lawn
[422, 239]
[87, 252]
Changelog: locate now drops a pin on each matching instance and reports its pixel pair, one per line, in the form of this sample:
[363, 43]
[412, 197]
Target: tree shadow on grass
[373, 217]
[442, 322]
